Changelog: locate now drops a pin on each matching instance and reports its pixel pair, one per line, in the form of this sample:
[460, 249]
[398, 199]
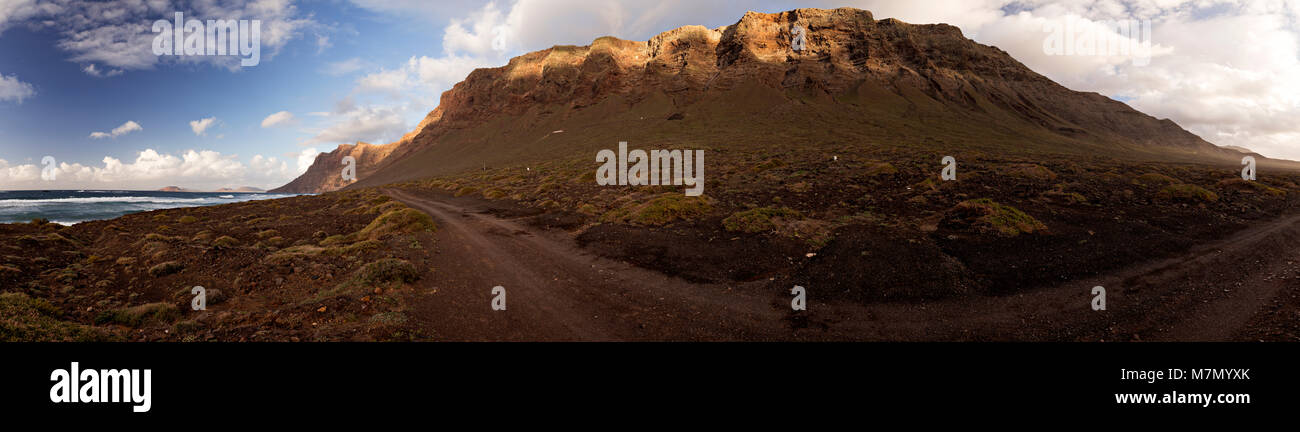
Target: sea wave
[68, 210]
[89, 200]
[136, 199]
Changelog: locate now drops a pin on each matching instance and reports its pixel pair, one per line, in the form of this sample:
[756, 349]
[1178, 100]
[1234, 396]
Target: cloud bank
[198, 169]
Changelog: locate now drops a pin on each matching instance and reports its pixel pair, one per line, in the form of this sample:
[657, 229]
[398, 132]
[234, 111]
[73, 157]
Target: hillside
[860, 81]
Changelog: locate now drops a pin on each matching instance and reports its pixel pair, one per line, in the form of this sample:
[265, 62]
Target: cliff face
[325, 173]
[875, 78]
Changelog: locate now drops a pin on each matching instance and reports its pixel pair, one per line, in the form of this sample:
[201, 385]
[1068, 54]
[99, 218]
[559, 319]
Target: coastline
[69, 207]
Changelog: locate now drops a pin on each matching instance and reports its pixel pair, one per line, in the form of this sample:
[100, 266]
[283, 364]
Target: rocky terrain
[308, 268]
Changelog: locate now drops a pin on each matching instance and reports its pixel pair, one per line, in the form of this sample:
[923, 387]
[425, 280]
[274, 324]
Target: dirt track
[557, 291]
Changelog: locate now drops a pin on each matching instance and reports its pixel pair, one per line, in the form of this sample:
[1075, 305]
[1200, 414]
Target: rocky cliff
[857, 79]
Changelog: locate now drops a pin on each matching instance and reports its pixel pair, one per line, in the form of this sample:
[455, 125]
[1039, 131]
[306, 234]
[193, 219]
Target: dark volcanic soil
[899, 258]
[287, 270]
[566, 293]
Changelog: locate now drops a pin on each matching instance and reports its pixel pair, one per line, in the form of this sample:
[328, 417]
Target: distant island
[245, 189]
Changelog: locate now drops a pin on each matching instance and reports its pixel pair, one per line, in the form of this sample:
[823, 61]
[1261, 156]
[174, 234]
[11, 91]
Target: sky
[80, 81]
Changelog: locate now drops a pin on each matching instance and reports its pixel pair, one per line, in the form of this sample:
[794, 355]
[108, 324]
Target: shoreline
[69, 207]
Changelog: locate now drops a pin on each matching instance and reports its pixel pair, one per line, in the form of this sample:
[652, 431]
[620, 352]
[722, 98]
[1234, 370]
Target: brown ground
[288, 270]
[558, 291]
[883, 254]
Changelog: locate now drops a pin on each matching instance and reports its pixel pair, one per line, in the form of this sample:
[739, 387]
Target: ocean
[70, 207]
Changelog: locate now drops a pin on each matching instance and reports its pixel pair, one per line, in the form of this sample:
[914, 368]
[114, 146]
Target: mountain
[859, 80]
[243, 189]
[325, 173]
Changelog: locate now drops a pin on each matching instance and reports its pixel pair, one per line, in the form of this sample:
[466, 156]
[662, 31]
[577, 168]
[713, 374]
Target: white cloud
[10, 174]
[424, 76]
[125, 128]
[201, 126]
[12, 11]
[195, 169]
[119, 34]
[280, 118]
[481, 34]
[372, 124]
[393, 100]
[305, 159]
[94, 71]
[11, 89]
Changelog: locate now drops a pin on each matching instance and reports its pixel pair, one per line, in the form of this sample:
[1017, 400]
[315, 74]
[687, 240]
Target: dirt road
[557, 291]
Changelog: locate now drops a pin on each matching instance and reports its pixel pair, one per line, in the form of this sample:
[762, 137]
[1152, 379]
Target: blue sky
[369, 70]
[69, 104]
[318, 70]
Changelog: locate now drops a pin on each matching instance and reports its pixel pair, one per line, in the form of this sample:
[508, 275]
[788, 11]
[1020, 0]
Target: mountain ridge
[859, 79]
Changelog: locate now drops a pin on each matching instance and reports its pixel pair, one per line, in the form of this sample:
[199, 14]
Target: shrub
[988, 216]
[1031, 171]
[187, 327]
[1186, 193]
[883, 168]
[661, 210]
[1250, 187]
[203, 236]
[310, 251]
[763, 219]
[136, 316]
[1155, 179]
[336, 239]
[387, 270]
[1069, 197]
[188, 219]
[400, 221]
[225, 242]
[384, 271]
[153, 237]
[166, 268]
[26, 319]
